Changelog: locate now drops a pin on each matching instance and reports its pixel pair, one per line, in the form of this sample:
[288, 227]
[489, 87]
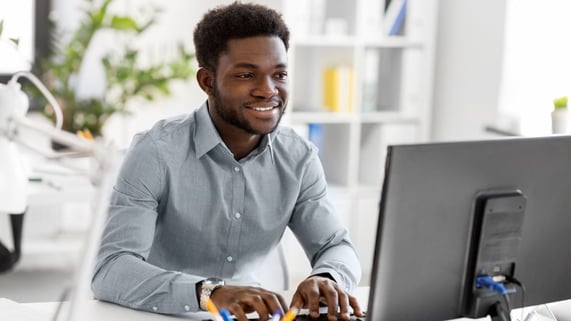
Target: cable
[517, 282]
[487, 282]
[64, 295]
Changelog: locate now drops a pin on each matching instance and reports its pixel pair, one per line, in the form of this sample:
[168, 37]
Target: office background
[482, 52]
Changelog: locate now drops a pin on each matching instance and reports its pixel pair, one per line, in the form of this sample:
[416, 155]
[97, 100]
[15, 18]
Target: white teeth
[262, 108]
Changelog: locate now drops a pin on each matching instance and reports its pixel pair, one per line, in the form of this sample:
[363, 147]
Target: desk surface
[97, 310]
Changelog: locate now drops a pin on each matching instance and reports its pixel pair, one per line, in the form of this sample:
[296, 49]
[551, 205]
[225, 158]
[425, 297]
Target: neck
[241, 147]
[240, 142]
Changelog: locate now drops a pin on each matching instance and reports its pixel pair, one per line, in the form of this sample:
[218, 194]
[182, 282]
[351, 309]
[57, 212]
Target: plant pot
[559, 120]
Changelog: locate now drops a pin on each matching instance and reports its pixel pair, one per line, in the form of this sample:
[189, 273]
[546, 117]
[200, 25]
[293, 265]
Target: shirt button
[155, 309]
[229, 258]
[186, 308]
[236, 169]
[237, 215]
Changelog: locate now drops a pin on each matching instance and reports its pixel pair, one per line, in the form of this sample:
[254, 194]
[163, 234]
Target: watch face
[207, 287]
[213, 281]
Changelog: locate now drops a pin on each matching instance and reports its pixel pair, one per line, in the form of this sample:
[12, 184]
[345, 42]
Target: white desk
[93, 310]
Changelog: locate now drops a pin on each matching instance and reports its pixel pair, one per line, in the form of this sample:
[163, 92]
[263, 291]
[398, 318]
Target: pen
[276, 316]
[290, 315]
[225, 315]
[212, 309]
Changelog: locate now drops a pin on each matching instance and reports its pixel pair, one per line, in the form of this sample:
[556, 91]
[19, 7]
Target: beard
[233, 118]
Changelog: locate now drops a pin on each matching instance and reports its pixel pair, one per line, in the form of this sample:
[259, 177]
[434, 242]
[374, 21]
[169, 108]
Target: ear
[205, 80]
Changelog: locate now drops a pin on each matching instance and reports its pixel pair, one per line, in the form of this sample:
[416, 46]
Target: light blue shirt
[183, 209]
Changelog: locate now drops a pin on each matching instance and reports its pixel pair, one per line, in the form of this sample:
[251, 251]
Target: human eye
[244, 75]
[282, 75]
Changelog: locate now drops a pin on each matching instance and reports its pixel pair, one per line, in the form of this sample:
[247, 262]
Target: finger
[331, 297]
[273, 303]
[259, 305]
[312, 296]
[344, 305]
[356, 307]
[283, 304]
[296, 301]
[238, 312]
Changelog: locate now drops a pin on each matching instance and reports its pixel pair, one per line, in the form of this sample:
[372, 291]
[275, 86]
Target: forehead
[259, 51]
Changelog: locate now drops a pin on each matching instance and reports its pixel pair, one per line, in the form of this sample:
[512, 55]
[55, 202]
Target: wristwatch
[206, 288]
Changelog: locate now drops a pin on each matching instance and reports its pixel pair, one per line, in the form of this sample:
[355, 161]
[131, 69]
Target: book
[338, 88]
[395, 14]
[315, 135]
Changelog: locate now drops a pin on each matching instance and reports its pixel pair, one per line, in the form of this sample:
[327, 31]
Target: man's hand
[239, 300]
[318, 289]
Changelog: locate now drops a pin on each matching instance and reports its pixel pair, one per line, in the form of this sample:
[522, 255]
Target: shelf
[388, 117]
[388, 91]
[322, 117]
[326, 41]
[394, 42]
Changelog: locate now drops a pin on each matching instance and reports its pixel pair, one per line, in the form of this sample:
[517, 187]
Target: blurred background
[364, 74]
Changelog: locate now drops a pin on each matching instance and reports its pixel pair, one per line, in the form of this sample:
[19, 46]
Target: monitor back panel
[426, 213]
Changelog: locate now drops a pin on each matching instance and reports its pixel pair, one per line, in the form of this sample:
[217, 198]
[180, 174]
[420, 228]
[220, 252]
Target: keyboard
[323, 317]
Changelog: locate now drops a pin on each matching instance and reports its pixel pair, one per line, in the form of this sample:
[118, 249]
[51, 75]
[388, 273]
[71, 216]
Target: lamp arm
[76, 143]
[47, 94]
[79, 147]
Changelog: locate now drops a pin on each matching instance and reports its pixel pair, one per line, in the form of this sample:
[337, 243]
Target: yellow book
[338, 88]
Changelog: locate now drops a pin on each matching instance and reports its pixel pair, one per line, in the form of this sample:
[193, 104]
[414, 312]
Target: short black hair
[234, 21]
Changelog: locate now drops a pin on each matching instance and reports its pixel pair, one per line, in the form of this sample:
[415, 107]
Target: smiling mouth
[263, 108]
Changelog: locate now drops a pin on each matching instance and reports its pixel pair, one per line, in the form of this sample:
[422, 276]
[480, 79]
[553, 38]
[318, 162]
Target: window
[537, 61]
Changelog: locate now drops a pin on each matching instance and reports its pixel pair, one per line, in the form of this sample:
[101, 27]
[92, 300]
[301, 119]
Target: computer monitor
[424, 252]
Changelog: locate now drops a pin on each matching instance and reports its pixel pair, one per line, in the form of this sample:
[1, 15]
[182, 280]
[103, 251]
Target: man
[202, 199]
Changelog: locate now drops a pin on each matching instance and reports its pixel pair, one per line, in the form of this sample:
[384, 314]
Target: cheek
[283, 90]
[229, 91]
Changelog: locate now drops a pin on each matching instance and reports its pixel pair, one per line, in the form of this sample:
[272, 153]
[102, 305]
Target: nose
[265, 88]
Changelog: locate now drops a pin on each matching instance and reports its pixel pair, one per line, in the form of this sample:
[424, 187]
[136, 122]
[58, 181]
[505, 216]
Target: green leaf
[1, 27]
[124, 23]
[98, 16]
[16, 41]
[560, 102]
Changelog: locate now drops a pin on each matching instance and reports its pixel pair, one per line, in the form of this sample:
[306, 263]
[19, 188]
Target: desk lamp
[13, 177]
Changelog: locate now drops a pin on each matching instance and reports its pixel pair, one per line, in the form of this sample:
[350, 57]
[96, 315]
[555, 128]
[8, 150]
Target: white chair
[275, 275]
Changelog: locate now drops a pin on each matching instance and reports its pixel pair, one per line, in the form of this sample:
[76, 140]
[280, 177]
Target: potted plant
[125, 79]
[559, 115]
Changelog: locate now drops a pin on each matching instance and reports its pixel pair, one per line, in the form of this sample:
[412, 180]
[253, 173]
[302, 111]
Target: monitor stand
[494, 240]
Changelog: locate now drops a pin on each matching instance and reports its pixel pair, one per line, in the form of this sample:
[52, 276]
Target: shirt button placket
[237, 207]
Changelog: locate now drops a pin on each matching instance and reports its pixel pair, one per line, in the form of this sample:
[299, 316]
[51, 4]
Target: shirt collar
[207, 137]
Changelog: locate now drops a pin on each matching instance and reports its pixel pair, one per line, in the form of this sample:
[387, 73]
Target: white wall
[468, 67]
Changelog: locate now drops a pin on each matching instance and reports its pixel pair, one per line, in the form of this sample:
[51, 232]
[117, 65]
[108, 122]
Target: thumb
[296, 301]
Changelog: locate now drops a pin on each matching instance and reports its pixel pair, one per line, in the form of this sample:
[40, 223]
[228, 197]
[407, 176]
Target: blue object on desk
[225, 315]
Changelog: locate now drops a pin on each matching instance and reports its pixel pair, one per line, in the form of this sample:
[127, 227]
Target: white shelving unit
[391, 95]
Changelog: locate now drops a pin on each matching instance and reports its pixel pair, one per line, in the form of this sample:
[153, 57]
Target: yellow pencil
[290, 315]
[212, 309]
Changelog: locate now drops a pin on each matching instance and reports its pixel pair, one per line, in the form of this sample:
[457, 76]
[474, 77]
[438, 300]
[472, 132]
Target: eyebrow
[253, 66]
